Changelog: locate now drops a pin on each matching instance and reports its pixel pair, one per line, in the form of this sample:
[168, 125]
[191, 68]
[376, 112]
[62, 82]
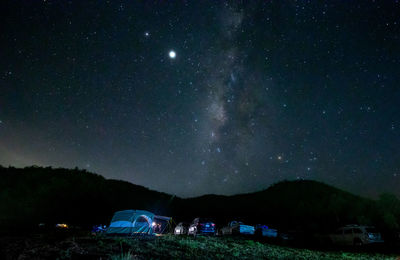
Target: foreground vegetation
[227, 248]
[166, 247]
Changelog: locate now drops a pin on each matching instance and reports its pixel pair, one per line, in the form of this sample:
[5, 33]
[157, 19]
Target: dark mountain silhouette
[35, 195]
[291, 204]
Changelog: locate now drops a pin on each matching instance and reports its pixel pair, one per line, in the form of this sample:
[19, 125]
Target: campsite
[55, 217]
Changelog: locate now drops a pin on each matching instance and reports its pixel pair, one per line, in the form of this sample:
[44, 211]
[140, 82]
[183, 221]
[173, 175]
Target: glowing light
[172, 54]
[62, 225]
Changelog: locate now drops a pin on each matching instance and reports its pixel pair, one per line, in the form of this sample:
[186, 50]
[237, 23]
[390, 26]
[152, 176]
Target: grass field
[226, 248]
[165, 247]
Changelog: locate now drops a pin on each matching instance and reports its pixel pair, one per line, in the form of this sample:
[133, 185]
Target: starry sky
[197, 97]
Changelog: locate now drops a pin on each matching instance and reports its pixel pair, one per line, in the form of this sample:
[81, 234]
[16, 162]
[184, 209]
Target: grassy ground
[165, 247]
[227, 248]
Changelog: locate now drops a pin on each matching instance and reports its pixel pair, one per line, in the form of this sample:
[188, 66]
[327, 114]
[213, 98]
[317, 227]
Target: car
[202, 226]
[237, 228]
[181, 229]
[355, 235]
[265, 231]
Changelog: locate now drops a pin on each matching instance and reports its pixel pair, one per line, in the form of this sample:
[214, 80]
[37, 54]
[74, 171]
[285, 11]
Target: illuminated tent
[131, 222]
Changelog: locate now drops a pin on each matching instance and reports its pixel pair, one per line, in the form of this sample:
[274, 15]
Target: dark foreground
[164, 247]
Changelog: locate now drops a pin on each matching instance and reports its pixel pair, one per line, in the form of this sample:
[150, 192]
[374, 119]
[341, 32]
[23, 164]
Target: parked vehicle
[181, 229]
[355, 235]
[237, 228]
[265, 231]
[202, 226]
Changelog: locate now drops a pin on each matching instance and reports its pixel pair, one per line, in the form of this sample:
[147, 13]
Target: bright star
[172, 54]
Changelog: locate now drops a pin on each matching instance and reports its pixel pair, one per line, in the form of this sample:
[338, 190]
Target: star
[146, 34]
[172, 54]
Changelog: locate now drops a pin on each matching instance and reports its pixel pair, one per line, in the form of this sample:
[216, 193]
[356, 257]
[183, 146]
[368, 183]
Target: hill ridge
[34, 195]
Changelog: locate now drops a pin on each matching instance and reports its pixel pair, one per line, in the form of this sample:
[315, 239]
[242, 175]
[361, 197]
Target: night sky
[196, 97]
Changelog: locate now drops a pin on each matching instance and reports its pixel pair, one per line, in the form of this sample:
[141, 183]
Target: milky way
[204, 97]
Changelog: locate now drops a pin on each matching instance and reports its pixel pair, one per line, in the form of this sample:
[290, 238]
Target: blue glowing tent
[131, 222]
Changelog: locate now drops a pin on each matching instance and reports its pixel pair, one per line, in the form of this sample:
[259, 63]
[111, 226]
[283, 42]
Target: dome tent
[131, 222]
